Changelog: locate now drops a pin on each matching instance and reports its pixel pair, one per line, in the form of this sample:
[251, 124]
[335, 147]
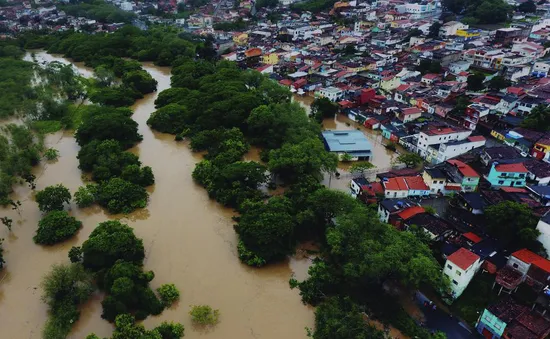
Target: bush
[204, 315]
[170, 330]
[248, 257]
[65, 287]
[55, 227]
[51, 154]
[120, 196]
[168, 294]
[52, 198]
[85, 195]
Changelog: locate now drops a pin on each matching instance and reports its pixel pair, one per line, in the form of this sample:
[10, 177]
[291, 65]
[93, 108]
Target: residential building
[331, 93]
[512, 175]
[450, 28]
[435, 179]
[543, 227]
[352, 142]
[388, 208]
[460, 268]
[439, 135]
[463, 174]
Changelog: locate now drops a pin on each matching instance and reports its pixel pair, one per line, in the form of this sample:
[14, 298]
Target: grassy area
[46, 126]
[475, 298]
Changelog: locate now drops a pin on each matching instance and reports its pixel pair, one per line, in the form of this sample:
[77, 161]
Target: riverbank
[189, 240]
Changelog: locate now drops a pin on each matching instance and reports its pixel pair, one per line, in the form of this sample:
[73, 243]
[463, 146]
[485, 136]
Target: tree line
[223, 110]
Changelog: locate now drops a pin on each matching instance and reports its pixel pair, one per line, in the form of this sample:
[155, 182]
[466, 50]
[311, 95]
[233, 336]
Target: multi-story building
[512, 175]
[437, 136]
[460, 268]
[510, 34]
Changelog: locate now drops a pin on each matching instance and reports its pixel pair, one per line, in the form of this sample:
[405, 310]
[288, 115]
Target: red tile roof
[412, 110]
[475, 138]
[516, 168]
[466, 170]
[463, 258]
[452, 188]
[403, 87]
[543, 264]
[527, 256]
[472, 237]
[416, 183]
[410, 212]
[396, 184]
[514, 189]
[430, 76]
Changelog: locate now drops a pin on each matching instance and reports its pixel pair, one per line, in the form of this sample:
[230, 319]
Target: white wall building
[460, 268]
[331, 93]
[450, 28]
[439, 136]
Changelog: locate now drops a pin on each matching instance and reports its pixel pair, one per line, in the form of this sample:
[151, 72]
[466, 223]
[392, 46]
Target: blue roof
[346, 141]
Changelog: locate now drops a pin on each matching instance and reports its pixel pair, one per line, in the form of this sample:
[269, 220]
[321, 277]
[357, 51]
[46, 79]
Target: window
[518, 183]
[449, 267]
[515, 266]
[458, 273]
[441, 181]
[500, 182]
[455, 282]
[522, 175]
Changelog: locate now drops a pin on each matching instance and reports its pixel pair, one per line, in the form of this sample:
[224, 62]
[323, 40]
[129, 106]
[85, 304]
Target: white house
[331, 93]
[544, 228]
[450, 28]
[439, 136]
[460, 268]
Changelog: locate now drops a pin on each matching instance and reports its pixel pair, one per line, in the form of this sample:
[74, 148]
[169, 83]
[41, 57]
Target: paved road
[439, 320]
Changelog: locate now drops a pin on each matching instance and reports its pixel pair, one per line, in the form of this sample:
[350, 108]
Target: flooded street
[189, 241]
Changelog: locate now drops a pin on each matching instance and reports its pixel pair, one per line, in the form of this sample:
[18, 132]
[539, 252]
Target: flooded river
[189, 240]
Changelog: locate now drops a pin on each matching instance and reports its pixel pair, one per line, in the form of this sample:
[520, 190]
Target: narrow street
[439, 320]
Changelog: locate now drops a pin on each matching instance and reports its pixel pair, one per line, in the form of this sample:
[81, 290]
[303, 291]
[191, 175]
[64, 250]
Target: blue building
[510, 175]
[352, 142]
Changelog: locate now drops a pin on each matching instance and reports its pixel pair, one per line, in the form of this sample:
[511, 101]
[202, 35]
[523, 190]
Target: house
[472, 201]
[463, 174]
[388, 208]
[513, 175]
[460, 268]
[494, 320]
[429, 79]
[541, 148]
[366, 191]
[353, 143]
[438, 153]
[496, 153]
[408, 114]
[417, 186]
[395, 187]
[436, 228]
[435, 179]
[450, 28]
[332, 93]
[543, 227]
[439, 135]
[406, 214]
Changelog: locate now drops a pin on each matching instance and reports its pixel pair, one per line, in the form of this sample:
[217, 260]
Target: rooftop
[515, 168]
[463, 258]
[411, 212]
[346, 141]
[465, 169]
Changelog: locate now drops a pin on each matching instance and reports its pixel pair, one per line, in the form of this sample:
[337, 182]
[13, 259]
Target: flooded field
[189, 240]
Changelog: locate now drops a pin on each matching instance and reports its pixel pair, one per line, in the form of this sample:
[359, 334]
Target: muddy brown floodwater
[189, 240]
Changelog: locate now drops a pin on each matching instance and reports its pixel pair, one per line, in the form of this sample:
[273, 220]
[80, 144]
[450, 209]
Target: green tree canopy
[113, 125]
[53, 198]
[109, 242]
[266, 229]
[293, 162]
[323, 108]
[538, 119]
[55, 227]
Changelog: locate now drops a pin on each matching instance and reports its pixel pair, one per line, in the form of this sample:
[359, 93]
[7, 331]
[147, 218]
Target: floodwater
[189, 241]
[383, 159]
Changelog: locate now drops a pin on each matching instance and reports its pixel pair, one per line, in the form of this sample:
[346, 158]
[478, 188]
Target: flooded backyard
[382, 158]
[189, 241]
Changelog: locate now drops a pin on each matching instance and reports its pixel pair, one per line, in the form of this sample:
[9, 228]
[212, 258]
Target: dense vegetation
[314, 6]
[126, 328]
[55, 227]
[53, 198]
[65, 288]
[98, 10]
[482, 12]
[222, 109]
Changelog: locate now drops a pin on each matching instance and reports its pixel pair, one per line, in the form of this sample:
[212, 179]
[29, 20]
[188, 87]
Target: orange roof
[463, 258]
[411, 110]
[516, 168]
[476, 138]
[466, 170]
[527, 256]
[411, 212]
[253, 52]
[472, 237]
[543, 264]
[396, 184]
[416, 183]
[513, 189]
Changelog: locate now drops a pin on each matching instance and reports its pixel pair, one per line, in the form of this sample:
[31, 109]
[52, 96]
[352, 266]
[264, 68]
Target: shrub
[248, 257]
[168, 294]
[52, 198]
[51, 154]
[170, 330]
[55, 227]
[85, 195]
[204, 315]
[120, 196]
